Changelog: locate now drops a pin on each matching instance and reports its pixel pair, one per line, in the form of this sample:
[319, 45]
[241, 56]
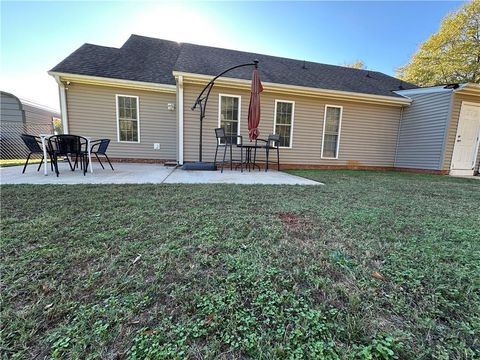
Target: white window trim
[239, 111]
[291, 125]
[118, 118]
[339, 130]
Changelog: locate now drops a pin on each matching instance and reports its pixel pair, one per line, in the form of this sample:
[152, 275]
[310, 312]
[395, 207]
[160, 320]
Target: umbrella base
[200, 165]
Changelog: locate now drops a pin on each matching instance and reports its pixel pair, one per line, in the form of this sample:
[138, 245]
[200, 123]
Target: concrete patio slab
[236, 177]
[125, 173]
[131, 173]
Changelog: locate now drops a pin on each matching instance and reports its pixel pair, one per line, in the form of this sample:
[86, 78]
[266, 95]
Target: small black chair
[34, 145]
[99, 147]
[272, 143]
[69, 145]
[228, 141]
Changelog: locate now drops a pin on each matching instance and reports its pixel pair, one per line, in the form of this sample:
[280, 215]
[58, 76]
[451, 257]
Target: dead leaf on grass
[150, 332]
[378, 276]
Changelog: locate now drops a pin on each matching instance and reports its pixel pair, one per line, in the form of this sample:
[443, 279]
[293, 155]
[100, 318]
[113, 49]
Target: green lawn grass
[374, 265]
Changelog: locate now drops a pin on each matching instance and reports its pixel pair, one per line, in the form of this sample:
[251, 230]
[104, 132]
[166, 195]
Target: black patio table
[248, 155]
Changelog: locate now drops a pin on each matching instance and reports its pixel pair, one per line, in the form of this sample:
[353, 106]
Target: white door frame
[476, 145]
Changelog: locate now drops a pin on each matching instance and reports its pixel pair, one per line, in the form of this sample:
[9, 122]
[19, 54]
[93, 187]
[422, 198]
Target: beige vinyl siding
[368, 135]
[452, 128]
[92, 112]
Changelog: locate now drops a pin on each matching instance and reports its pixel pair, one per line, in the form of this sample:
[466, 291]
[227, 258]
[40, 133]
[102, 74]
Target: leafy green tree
[57, 125]
[452, 55]
[357, 64]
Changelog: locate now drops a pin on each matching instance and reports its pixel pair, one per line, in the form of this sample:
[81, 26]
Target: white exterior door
[467, 140]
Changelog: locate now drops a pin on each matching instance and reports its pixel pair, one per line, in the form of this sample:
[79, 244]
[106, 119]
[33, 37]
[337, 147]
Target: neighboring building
[328, 116]
[21, 117]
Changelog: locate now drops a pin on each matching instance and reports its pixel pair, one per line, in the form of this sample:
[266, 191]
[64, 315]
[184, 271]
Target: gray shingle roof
[140, 59]
[153, 60]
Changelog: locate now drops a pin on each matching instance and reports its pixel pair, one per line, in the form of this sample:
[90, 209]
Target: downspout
[180, 119]
[62, 93]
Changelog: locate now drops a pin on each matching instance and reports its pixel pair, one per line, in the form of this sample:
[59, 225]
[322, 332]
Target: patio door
[467, 140]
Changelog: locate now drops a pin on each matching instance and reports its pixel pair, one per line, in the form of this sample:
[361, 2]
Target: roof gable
[139, 59]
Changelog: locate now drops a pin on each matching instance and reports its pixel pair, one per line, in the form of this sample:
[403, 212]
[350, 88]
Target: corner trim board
[448, 121]
[62, 93]
[180, 119]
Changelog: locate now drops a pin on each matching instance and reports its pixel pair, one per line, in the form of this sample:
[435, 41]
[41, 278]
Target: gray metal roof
[153, 60]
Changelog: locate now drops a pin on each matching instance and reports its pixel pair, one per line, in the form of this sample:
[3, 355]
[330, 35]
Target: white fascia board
[462, 88]
[429, 90]
[296, 90]
[97, 80]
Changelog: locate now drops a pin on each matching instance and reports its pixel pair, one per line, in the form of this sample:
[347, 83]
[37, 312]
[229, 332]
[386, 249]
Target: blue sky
[35, 36]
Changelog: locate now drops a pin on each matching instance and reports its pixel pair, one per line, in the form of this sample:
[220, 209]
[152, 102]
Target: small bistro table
[45, 137]
[248, 155]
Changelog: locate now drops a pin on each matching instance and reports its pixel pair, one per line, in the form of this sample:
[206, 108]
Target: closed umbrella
[254, 106]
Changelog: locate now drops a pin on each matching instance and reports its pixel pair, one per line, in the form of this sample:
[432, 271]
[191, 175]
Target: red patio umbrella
[254, 106]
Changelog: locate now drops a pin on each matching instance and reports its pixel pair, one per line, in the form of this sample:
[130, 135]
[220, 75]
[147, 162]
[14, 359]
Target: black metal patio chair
[228, 141]
[34, 145]
[272, 143]
[69, 145]
[99, 147]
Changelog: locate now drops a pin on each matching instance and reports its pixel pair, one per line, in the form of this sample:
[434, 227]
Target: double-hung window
[128, 122]
[332, 123]
[283, 121]
[229, 114]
